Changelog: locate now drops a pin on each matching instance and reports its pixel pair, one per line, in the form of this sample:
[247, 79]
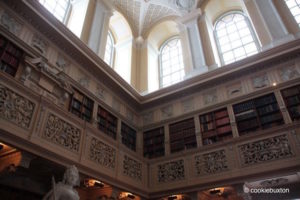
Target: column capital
[140, 42]
[190, 18]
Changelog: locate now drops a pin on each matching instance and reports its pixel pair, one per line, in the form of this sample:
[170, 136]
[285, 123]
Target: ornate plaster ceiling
[142, 15]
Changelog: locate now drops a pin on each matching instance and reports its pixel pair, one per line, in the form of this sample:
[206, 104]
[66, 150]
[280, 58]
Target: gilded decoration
[62, 133]
[132, 168]
[102, 153]
[15, 108]
[171, 171]
[269, 149]
[211, 163]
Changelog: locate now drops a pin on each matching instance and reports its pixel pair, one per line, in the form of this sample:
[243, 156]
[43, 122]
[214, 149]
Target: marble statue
[64, 190]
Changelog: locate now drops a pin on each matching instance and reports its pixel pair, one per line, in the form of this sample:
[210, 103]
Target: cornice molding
[56, 32]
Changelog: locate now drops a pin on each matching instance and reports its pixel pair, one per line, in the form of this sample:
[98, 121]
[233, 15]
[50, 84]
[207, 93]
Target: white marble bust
[64, 190]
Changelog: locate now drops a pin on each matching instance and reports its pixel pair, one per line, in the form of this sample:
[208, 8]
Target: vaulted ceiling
[142, 15]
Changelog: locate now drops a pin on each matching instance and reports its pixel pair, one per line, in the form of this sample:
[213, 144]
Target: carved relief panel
[171, 171]
[10, 23]
[15, 108]
[132, 168]
[260, 81]
[261, 151]
[288, 73]
[210, 97]
[62, 133]
[211, 163]
[102, 153]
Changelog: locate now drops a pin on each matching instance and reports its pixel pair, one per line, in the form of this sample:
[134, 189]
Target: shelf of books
[107, 122]
[128, 136]
[154, 143]
[81, 106]
[215, 126]
[291, 97]
[259, 113]
[182, 135]
[10, 56]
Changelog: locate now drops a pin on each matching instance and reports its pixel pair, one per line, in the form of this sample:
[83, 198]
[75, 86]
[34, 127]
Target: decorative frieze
[15, 108]
[132, 168]
[102, 153]
[10, 23]
[171, 171]
[211, 163]
[62, 133]
[269, 149]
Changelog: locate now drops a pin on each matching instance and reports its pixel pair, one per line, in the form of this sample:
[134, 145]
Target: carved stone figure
[64, 190]
[10, 23]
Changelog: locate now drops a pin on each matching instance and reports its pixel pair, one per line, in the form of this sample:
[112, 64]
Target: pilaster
[190, 22]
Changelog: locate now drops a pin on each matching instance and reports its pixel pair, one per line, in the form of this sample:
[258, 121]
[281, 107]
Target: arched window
[171, 62]
[235, 37]
[109, 49]
[59, 8]
[294, 6]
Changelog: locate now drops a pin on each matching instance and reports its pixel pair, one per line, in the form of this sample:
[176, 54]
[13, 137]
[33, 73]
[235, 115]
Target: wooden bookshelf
[10, 56]
[291, 97]
[182, 135]
[128, 136]
[81, 106]
[107, 122]
[154, 143]
[215, 126]
[259, 113]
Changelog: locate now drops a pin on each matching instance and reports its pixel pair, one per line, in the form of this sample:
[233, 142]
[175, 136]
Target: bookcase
[259, 113]
[81, 106]
[128, 136]
[107, 122]
[154, 143]
[215, 126]
[182, 135]
[10, 56]
[291, 97]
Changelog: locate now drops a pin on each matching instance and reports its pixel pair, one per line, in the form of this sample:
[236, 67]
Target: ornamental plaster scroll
[39, 44]
[148, 118]
[260, 81]
[62, 62]
[102, 154]
[60, 132]
[274, 148]
[10, 23]
[167, 111]
[129, 115]
[132, 168]
[211, 163]
[101, 93]
[171, 171]
[210, 97]
[116, 105]
[188, 105]
[234, 90]
[288, 73]
[15, 108]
